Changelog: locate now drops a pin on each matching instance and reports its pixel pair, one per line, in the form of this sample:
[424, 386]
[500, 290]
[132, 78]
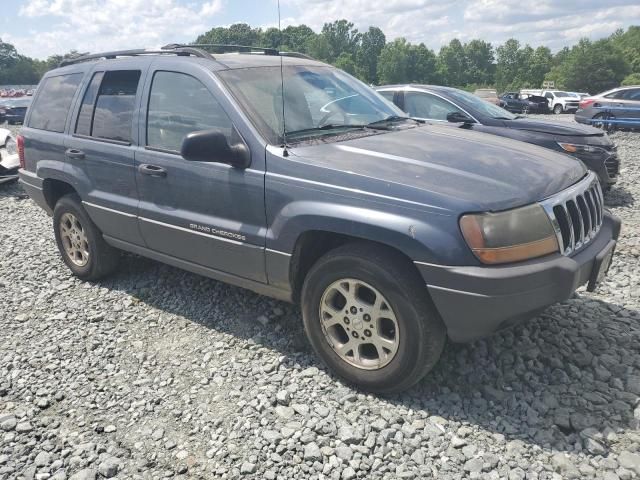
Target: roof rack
[181, 50]
[224, 48]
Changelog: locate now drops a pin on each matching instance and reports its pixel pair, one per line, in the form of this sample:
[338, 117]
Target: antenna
[284, 125]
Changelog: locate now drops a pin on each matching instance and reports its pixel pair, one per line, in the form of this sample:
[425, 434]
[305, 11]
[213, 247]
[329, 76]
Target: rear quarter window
[50, 110]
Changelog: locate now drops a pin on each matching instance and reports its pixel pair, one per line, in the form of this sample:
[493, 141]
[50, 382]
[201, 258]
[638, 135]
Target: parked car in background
[9, 159]
[517, 103]
[558, 101]
[488, 94]
[14, 109]
[389, 233]
[457, 107]
[615, 108]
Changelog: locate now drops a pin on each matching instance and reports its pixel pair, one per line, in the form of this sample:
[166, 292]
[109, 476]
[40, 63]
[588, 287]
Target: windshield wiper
[326, 126]
[389, 119]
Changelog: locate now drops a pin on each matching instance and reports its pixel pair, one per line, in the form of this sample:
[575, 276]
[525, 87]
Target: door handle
[152, 170]
[74, 153]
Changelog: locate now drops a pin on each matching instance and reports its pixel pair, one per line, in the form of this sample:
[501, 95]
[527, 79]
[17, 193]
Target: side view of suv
[291, 178]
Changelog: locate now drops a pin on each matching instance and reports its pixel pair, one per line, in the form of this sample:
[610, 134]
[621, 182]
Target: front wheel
[367, 314]
[557, 109]
[80, 241]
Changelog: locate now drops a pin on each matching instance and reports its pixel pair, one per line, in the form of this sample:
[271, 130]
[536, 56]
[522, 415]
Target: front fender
[421, 237]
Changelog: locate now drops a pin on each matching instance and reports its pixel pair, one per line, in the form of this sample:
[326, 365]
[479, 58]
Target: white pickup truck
[559, 101]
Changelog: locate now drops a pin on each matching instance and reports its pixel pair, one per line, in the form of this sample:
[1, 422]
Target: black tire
[421, 333]
[102, 258]
[557, 109]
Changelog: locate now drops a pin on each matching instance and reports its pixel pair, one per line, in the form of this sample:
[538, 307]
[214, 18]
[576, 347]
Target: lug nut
[354, 310]
[346, 320]
[355, 334]
[367, 333]
[367, 317]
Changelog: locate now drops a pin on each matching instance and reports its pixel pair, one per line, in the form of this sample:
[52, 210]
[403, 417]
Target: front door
[206, 213]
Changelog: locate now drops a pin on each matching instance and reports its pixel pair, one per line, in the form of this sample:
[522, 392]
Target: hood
[449, 168]
[572, 130]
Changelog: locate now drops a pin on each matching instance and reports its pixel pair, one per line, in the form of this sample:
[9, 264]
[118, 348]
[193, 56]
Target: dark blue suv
[289, 177]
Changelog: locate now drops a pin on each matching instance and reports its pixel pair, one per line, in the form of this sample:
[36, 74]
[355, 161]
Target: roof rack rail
[181, 50]
[224, 48]
[297, 55]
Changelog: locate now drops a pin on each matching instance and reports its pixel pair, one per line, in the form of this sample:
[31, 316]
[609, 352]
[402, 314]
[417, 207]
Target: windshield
[482, 107]
[562, 94]
[318, 101]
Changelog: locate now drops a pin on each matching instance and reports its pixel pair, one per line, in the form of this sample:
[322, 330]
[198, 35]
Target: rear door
[100, 150]
[209, 214]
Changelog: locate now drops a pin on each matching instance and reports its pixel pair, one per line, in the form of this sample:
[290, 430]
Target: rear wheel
[600, 121]
[367, 314]
[80, 241]
[557, 109]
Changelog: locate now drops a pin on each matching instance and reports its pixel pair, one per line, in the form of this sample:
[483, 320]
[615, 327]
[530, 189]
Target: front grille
[612, 164]
[576, 214]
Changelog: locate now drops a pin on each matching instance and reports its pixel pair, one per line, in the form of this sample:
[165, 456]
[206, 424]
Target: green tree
[341, 37]
[452, 62]
[590, 67]
[507, 63]
[633, 79]
[371, 44]
[236, 34]
[393, 63]
[480, 69]
[345, 62]
[422, 65]
[628, 43]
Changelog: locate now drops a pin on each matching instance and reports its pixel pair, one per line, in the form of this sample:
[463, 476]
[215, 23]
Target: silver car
[617, 108]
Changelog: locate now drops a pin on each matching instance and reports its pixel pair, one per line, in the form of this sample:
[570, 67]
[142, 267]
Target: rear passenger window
[50, 110]
[178, 105]
[108, 105]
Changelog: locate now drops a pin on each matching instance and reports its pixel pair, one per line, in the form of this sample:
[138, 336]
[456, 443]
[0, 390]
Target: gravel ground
[157, 373]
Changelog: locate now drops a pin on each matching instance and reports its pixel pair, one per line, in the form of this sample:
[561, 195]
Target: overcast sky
[40, 28]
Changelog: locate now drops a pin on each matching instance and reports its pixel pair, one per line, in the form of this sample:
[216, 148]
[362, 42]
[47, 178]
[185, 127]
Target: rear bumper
[32, 185]
[476, 301]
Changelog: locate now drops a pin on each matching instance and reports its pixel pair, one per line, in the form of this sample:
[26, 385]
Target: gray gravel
[159, 373]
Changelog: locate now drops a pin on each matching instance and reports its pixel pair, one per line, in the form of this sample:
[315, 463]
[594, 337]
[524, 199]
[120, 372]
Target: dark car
[15, 109]
[450, 105]
[516, 102]
[390, 233]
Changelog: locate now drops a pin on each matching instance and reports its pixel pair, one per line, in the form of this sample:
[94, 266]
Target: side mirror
[212, 146]
[458, 117]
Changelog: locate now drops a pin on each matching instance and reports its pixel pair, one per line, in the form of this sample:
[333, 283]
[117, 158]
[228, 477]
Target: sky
[39, 28]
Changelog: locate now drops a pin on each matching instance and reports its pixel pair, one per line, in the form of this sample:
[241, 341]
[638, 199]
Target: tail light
[20, 141]
[586, 102]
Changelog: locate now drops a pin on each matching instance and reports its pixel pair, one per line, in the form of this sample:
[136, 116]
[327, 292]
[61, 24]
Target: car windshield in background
[478, 104]
[563, 94]
[319, 101]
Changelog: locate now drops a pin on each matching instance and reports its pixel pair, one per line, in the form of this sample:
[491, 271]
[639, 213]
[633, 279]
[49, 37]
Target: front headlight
[576, 148]
[509, 236]
[11, 146]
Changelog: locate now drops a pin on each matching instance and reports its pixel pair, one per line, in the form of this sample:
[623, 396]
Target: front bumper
[477, 301]
[606, 166]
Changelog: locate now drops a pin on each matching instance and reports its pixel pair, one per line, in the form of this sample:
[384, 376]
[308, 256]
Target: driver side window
[178, 105]
[425, 105]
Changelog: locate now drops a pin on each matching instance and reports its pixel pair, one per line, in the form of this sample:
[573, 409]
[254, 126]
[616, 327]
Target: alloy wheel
[359, 324]
[74, 239]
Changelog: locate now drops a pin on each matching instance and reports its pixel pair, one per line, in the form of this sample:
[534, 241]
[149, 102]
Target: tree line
[588, 66]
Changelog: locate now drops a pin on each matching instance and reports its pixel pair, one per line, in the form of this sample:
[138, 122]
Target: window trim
[102, 140]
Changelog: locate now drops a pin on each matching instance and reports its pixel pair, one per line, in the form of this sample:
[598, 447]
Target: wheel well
[312, 245]
[54, 190]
